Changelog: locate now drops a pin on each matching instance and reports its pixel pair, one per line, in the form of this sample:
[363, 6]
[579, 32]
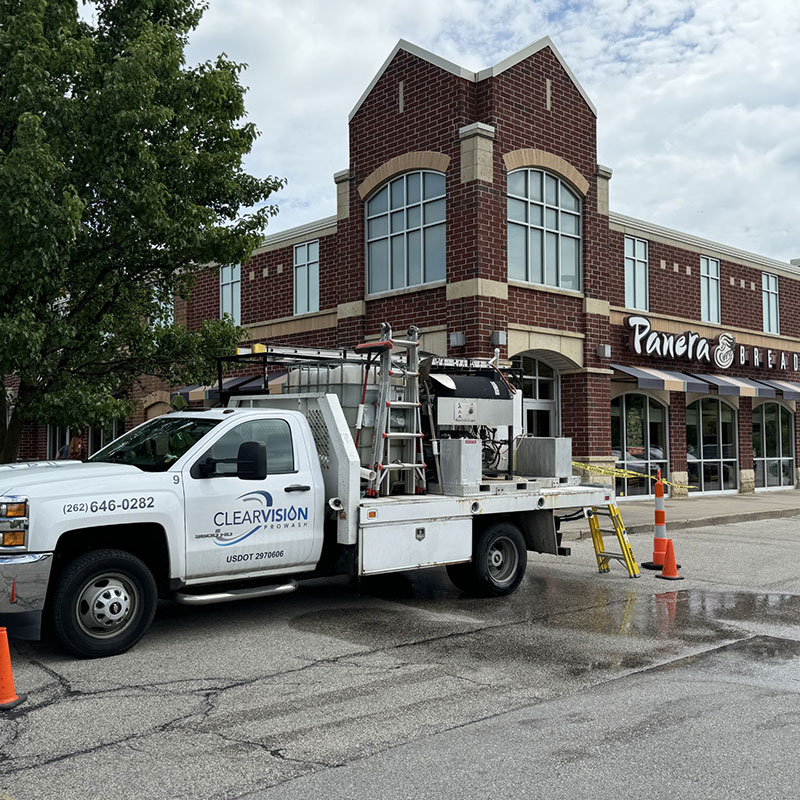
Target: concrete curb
[682, 524]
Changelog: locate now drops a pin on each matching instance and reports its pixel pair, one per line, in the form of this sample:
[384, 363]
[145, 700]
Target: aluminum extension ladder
[603, 557]
[397, 451]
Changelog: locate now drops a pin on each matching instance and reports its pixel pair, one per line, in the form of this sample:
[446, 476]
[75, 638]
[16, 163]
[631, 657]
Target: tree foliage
[121, 178]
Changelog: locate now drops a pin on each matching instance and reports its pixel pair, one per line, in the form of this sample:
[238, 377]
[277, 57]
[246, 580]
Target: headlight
[13, 521]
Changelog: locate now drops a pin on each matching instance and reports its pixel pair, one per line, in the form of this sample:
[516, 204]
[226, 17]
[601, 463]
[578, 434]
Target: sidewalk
[695, 511]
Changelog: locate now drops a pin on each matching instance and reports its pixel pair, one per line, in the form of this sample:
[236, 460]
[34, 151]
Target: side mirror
[251, 462]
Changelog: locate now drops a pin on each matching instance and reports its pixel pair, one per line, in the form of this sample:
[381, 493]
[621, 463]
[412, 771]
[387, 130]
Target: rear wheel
[499, 560]
[103, 603]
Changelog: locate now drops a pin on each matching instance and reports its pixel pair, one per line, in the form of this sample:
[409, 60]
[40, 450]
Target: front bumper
[23, 589]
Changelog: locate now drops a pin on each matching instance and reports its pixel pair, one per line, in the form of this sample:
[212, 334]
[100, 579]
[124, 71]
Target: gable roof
[473, 77]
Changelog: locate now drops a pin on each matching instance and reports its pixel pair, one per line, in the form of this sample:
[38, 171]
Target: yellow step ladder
[603, 557]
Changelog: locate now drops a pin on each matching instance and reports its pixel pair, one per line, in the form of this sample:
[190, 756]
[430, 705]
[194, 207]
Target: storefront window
[711, 453]
[773, 445]
[638, 441]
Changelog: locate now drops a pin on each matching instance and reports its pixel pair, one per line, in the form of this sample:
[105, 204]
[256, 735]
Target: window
[539, 384]
[306, 277]
[406, 232]
[769, 300]
[709, 289]
[101, 435]
[636, 291]
[638, 442]
[57, 437]
[773, 445]
[230, 292]
[711, 453]
[275, 433]
[156, 445]
[544, 230]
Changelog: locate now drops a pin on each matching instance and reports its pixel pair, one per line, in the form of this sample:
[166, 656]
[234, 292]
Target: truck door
[236, 525]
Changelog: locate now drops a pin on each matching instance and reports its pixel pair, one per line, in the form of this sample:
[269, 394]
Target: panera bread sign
[722, 350]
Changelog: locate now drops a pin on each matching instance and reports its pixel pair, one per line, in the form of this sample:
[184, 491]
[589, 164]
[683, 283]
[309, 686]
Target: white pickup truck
[220, 505]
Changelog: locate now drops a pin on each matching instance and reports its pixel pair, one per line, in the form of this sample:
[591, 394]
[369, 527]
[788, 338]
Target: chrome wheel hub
[106, 605]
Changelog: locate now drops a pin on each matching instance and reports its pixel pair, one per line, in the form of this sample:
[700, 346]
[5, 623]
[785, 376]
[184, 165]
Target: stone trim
[358, 308]
[342, 181]
[567, 349]
[519, 326]
[747, 481]
[532, 157]
[591, 305]
[678, 492]
[420, 287]
[298, 235]
[477, 152]
[540, 287]
[424, 159]
[603, 177]
[694, 244]
[158, 396]
[477, 287]
[588, 371]
[289, 326]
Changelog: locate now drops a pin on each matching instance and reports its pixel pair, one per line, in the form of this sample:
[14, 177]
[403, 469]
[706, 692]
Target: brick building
[473, 206]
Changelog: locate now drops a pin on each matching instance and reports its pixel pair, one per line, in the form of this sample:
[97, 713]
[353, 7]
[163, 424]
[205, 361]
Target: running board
[233, 594]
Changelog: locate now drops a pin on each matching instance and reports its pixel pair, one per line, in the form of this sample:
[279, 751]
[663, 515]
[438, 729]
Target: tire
[499, 560]
[103, 603]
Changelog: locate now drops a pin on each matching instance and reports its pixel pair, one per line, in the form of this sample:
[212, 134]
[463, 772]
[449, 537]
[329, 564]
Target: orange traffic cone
[659, 528]
[670, 569]
[659, 548]
[8, 697]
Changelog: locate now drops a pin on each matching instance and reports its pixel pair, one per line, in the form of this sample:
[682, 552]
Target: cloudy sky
[698, 100]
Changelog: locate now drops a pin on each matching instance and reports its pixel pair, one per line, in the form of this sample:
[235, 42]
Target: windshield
[157, 444]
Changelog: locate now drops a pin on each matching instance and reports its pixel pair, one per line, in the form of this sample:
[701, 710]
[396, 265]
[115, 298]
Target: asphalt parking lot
[402, 687]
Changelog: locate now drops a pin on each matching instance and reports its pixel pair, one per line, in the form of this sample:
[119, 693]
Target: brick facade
[528, 111]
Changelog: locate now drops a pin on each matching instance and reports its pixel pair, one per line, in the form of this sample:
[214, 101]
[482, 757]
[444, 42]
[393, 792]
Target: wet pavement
[402, 687]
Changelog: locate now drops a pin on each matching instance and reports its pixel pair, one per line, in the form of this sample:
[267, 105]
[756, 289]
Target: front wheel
[499, 560]
[103, 603]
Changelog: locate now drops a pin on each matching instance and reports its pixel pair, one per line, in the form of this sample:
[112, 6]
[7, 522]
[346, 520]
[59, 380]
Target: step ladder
[397, 452]
[603, 557]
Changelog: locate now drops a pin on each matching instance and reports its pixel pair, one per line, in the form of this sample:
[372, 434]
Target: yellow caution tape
[627, 473]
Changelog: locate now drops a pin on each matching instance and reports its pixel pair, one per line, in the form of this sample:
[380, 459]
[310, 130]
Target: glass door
[539, 385]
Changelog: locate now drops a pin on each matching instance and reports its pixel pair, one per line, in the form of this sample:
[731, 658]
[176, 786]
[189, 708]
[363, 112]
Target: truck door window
[275, 433]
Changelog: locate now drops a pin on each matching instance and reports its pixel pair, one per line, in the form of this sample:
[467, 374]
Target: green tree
[121, 178]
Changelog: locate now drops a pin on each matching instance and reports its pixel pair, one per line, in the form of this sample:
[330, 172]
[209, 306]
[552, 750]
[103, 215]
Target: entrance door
[236, 525]
[539, 384]
[540, 419]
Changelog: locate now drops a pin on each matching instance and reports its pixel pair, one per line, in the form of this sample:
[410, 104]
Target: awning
[739, 387]
[649, 378]
[789, 390]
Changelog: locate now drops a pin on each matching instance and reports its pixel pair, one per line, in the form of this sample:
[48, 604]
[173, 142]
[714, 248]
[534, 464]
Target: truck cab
[181, 501]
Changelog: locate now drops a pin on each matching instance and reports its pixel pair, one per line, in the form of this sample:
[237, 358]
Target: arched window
[711, 451]
[773, 445]
[406, 232]
[638, 441]
[544, 230]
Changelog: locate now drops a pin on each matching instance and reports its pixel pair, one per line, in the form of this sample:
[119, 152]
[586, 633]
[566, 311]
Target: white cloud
[698, 105]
